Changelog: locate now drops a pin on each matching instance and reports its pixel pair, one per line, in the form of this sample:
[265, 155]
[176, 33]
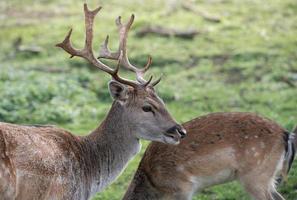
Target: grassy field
[245, 62]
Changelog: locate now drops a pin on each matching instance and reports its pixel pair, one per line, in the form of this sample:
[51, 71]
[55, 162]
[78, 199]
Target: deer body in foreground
[219, 148]
[45, 162]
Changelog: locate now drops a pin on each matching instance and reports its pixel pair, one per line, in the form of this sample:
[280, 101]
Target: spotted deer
[46, 162]
[219, 148]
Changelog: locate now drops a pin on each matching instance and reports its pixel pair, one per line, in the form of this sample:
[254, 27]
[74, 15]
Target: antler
[123, 34]
[87, 52]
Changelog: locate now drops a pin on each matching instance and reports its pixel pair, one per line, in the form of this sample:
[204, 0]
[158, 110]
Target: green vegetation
[247, 62]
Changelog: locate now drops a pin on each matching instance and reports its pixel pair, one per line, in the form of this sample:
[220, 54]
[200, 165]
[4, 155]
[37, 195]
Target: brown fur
[220, 147]
[51, 163]
[32, 154]
[46, 162]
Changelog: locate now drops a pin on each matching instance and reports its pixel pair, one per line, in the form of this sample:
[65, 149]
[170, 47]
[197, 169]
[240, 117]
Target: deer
[219, 148]
[47, 162]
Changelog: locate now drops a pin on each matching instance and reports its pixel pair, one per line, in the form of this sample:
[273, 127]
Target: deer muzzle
[176, 131]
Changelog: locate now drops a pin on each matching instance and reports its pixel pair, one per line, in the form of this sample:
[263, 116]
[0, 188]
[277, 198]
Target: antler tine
[66, 45]
[123, 34]
[148, 82]
[156, 82]
[106, 53]
[87, 52]
[89, 20]
[116, 77]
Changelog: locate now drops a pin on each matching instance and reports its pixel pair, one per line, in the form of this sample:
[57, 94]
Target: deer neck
[110, 147]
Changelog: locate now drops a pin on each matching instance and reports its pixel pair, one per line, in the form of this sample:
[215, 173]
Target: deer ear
[118, 91]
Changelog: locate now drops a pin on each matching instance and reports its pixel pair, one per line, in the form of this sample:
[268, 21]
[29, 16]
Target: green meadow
[244, 61]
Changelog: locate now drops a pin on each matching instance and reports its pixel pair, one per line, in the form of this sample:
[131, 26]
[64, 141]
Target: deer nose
[181, 131]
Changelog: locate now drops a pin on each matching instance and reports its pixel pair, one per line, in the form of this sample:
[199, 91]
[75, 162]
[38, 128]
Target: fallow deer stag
[50, 163]
[219, 148]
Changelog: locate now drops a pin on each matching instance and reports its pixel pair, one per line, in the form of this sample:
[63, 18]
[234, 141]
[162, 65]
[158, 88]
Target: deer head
[137, 100]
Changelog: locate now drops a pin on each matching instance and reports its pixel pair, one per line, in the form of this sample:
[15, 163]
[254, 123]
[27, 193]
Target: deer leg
[257, 192]
[178, 195]
[257, 186]
[276, 195]
[261, 190]
[182, 196]
[260, 182]
[7, 172]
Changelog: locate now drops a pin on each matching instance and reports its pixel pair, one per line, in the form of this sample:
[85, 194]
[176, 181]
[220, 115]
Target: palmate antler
[121, 55]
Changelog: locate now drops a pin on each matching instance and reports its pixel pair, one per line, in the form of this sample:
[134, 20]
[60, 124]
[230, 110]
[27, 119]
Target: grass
[247, 62]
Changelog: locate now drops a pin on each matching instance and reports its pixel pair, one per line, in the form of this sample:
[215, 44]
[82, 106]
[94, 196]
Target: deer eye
[147, 109]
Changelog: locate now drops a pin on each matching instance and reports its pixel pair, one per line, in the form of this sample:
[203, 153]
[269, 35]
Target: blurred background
[215, 55]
